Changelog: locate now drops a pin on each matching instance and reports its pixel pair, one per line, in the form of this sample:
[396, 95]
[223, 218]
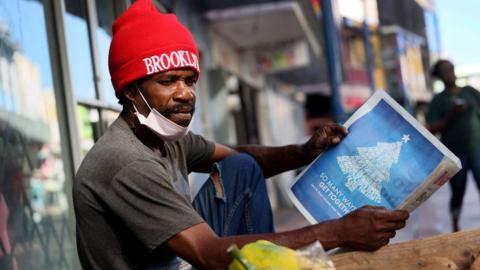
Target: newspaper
[387, 159]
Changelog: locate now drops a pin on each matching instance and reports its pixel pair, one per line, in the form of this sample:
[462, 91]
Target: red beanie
[146, 42]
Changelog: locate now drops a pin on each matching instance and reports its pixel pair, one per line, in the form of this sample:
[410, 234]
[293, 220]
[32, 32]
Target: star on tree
[368, 170]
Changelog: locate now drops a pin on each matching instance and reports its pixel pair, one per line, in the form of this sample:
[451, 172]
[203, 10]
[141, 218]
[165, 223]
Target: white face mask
[160, 125]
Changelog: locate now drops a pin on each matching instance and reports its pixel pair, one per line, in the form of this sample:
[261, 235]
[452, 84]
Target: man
[131, 193]
[454, 113]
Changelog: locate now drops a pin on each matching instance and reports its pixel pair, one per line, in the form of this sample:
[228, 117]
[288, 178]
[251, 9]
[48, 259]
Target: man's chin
[181, 119]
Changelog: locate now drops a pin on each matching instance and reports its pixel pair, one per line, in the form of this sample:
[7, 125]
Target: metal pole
[333, 58]
[64, 99]
[92, 23]
[368, 48]
[369, 56]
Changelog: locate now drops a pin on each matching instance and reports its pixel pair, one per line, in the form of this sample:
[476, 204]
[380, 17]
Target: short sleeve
[198, 150]
[475, 93]
[143, 199]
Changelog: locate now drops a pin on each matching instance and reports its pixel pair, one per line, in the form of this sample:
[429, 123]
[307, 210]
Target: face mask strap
[135, 108]
[144, 100]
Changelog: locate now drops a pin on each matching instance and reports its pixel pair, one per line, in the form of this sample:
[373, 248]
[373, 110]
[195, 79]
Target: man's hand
[370, 227]
[324, 137]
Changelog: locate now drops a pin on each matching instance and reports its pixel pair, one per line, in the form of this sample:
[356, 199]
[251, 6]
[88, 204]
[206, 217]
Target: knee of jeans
[243, 162]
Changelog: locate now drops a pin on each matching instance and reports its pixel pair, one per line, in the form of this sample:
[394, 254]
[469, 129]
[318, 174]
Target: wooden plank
[413, 263]
[449, 251]
[476, 264]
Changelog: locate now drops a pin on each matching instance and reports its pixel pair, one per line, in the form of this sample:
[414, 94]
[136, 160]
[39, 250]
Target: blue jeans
[470, 161]
[244, 207]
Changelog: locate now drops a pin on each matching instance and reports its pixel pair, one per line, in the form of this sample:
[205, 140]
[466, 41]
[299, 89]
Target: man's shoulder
[471, 90]
[192, 140]
[113, 151]
[469, 87]
[440, 97]
[442, 94]
[116, 144]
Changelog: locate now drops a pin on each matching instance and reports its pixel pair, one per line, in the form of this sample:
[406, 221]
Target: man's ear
[130, 92]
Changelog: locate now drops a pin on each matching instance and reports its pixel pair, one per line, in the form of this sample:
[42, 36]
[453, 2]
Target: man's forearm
[325, 232]
[275, 160]
[366, 228]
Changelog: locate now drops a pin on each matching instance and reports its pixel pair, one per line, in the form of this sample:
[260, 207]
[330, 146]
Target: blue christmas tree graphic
[371, 167]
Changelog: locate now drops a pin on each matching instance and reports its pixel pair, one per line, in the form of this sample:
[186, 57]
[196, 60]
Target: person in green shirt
[455, 115]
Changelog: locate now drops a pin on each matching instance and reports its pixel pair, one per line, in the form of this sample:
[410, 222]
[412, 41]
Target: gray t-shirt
[129, 200]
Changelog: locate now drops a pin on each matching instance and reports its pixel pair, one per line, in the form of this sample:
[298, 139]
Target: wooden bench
[449, 251]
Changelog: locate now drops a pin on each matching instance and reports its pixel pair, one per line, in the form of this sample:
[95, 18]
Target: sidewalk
[431, 218]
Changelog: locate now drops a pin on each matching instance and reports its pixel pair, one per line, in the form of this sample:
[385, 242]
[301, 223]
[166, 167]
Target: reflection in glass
[78, 49]
[109, 117]
[34, 221]
[88, 120]
[90, 125]
[104, 36]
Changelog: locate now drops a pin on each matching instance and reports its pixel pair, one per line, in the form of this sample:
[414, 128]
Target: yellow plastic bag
[264, 255]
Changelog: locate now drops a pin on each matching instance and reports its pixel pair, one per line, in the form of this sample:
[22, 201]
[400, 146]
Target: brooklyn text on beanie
[146, 42]
[172, 60]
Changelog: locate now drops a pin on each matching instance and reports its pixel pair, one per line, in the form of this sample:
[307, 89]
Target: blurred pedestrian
[455, 115]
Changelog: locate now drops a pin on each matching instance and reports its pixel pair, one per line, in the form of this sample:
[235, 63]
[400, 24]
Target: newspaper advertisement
[388, 159]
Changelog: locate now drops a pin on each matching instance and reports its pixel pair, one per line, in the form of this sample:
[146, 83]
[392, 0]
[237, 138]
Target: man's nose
[184, 92]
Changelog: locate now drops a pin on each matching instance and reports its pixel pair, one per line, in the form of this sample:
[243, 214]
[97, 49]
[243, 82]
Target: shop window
[34, 220]
[78, 47]
[89, 128]
[91, 125]
[105, 17]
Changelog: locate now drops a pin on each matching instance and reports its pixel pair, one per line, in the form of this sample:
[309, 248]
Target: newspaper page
[387, 159]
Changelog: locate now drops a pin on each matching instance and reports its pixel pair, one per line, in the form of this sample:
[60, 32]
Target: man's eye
[166, 82]
[190, 81]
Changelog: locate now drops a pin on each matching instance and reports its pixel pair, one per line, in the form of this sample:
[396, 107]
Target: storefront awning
[264, 24]
[32, 130]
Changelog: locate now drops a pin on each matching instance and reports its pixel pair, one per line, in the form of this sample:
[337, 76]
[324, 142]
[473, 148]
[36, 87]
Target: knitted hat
[146, 42]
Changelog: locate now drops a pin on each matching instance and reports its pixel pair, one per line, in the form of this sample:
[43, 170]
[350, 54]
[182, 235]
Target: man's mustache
[179, 108]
